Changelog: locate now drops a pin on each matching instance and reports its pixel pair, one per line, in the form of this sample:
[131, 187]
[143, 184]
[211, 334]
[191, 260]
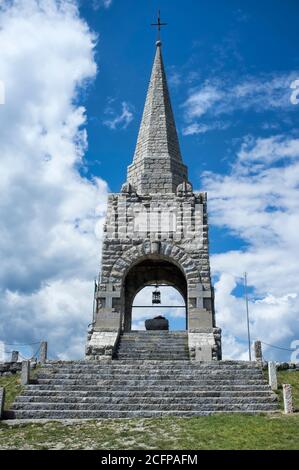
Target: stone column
[2, 398]
[272, 375]
[14, 356]
[258, 351]
[25, 373]
[43, 352]
[287, 398]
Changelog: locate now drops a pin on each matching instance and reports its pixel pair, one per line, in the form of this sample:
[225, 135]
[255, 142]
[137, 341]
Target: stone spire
[157, 165]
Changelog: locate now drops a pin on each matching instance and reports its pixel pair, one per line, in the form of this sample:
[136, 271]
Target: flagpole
[247, 315]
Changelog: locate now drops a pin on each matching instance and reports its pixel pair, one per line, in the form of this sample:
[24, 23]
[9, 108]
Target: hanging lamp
[156, 296]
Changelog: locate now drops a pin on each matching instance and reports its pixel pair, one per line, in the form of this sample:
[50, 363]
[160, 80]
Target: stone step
[154, 345]
[116, 366]
[162, 344]
[144, 345]
[151, 355]
[110, 414]
[33, 394]
[143, 413]
[158, 388]
[134, 364]
[138, 355]
[153, 337]
[143, 388]
[153, 333]
[153, 380]
[151, 370]
[135, 400]
[206, 405]
[167, 343]
[134, 375]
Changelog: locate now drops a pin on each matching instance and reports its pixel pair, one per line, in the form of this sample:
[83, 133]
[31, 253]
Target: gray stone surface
[157, 323]
[287, 398]
[14, 356]
[101, 344]
[11, 368]
[2, 399]
[153, 345]
[272, 375]
[203, 353]
[157, 164]
[25, 373]
[209, 338]
[43, 352]
[107, 320]
[144, 388]
[200, 319]
[258, 351]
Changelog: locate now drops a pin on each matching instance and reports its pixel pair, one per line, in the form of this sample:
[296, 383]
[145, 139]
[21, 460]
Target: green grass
[12, 388]
[211, 432]
[289, 377]
[227, 431]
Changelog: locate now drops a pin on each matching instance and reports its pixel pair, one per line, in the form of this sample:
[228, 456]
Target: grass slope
[12, 388]
[231, 431]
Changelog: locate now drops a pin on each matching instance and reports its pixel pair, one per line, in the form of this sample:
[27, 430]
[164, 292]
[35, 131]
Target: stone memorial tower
[156, 231]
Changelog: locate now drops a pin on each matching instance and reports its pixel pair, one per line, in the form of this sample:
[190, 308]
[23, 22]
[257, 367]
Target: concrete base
[101, 344]
[205, 345]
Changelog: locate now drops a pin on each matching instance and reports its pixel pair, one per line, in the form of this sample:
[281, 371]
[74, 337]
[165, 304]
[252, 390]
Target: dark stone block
[157, 323]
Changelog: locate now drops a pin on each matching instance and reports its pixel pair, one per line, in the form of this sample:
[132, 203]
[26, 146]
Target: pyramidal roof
[157, 165]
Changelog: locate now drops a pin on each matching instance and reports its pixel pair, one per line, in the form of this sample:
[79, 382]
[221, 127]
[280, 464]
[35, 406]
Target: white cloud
[48, 210]
[220, 97]
[174, 77]
[259, 204]
[268, 150]
[121, 120]
[196, 128]
[2, 92]
[202, 100]
[96, 4]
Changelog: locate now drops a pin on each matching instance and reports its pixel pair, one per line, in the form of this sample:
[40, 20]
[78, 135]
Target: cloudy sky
[73, 78]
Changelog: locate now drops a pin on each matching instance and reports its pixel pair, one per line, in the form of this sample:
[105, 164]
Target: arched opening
[147, 274]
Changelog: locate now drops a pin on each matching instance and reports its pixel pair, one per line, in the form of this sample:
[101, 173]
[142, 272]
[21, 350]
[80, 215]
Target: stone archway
[149, 271]
[162, 250]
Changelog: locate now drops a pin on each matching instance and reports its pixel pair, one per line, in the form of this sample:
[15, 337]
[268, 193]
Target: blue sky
[231, 41]
[82, 85]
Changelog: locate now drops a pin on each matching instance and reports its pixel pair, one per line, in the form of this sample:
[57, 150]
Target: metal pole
[247, 315]
[94, 301]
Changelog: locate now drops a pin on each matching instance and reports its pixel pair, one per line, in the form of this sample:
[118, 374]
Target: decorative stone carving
[127, 188]
[184, 189]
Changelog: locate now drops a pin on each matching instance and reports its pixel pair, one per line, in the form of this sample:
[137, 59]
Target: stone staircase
[153, 345]
[143, 388]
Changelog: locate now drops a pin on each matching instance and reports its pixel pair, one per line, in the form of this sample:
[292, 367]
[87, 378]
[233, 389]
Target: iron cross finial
[159, 24]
